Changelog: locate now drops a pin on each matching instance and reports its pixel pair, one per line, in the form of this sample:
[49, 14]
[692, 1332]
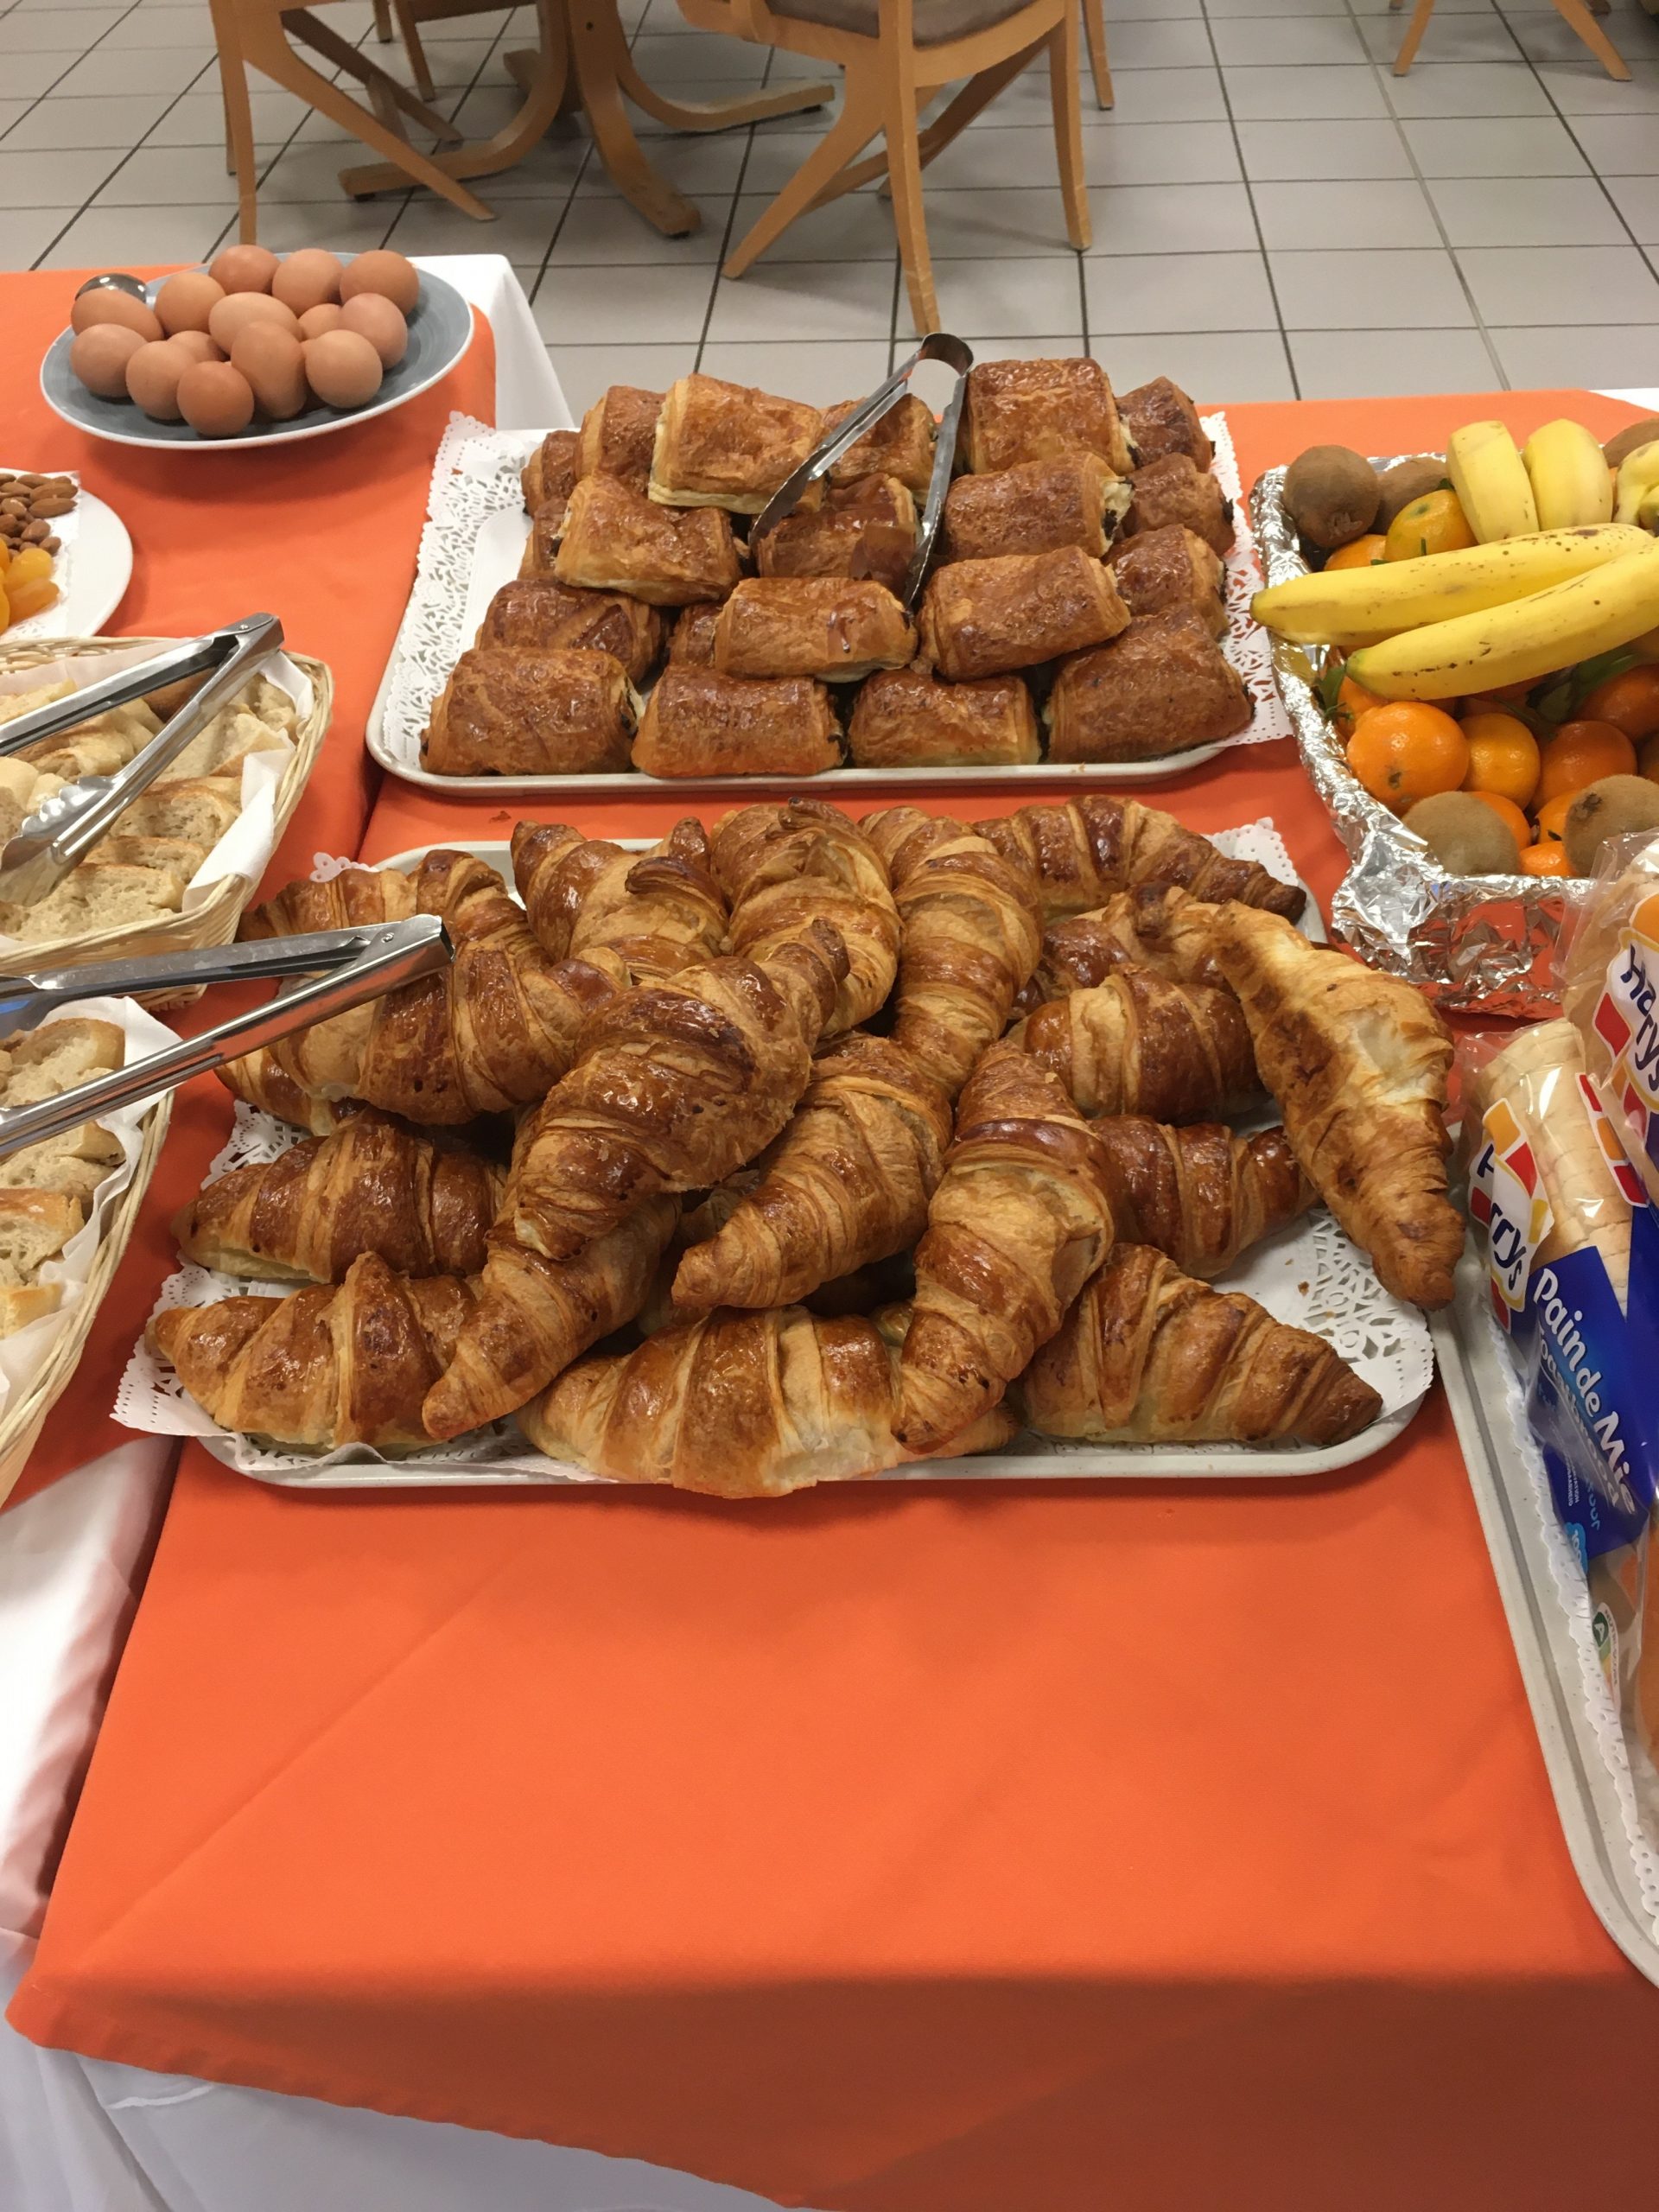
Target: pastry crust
[832, 627]
[1159, 569]
[692, 644]
[567, 712]
[983, 617]
[1162, 687]
[866, 529]
[1161, 419]
[1035, 507]
[727, 445]
[1031, 410]
[617, 540]
[899, 444]
[542, 546]
[1175, 489]
[552, 471]
[617, 434]
[698, 722]
[908, 718]
[538, 612]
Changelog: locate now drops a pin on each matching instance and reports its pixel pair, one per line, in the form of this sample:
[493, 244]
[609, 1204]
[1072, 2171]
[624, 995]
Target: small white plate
[91, 570]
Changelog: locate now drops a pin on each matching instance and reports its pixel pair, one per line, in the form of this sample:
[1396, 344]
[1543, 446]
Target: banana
[1520, 641]
[1490, 481]
[1346, 607]
[1568, 473]
[1638, 477]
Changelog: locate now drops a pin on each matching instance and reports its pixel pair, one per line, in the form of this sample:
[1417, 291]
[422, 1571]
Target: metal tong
[63, 828]
[349, 965]
[938, 345]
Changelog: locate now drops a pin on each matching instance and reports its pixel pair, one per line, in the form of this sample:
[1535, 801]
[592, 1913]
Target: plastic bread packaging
[1609, 982]
[1571, 1244]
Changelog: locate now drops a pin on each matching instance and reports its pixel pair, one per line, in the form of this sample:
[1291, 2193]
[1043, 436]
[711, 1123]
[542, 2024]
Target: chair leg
[382, 22]
[858, 123]
[410, 31]
[383, 89]
[909, 217]
[1575, 12]
[240, 160]
[1094, 22]
[1068, 127]
[952, 120]
[1414, 37]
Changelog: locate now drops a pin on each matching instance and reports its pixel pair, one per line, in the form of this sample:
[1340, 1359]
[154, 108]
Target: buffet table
[899, 1848]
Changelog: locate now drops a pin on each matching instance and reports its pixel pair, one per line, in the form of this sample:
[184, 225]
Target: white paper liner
[246, 847]
[475, 478]
[22, 1353]
[1309, 1275]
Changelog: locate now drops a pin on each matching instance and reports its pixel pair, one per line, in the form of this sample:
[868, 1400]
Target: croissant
[256, 1079]
[355, 897]
[1137, 1044]
[700, 723]
[847, 1183]
[616, 539]
[1018, 1223]
[532, 1316]
[1176, 490]
[1083, 851]
[618, 433]
[1159, 928]
[371, 1186]
[727, 445]
[538, 612]
[658, 911]
[1171, 568]
[1164, 686]
[551, 470]
[899, 443]
[738, 1405]
[1037, 506]
[1357, 1062]
[495, 1029]
[1201, 1194]
[346, 1363]
[908, 718]
[691, 642]
[675, 1085]
[1031, 410]
[1161, 419]
[972, 932]
[983, 617]
[866, 529]
[1148, 1356]
[542, 546]
[518, 711]
[838, 629]
[784, 866]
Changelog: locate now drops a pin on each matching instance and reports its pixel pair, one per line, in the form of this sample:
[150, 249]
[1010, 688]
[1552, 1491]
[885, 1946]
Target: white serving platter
[92, 569]
[1309, 1274]
[473, 541]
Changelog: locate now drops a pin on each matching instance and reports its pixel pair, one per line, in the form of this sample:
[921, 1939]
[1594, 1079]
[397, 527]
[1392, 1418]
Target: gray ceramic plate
[440, 331]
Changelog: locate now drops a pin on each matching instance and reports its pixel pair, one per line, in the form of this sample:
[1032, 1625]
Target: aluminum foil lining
[1484, 942]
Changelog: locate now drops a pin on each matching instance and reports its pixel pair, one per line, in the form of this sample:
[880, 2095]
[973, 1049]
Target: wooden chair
[896, 55]
[1094, 25]
[1581, 17]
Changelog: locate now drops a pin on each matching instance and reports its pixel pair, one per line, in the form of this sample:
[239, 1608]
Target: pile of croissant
[1075, 607]
[796, 1148]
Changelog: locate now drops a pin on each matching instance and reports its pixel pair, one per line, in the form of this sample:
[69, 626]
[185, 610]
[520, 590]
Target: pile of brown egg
[249, 334]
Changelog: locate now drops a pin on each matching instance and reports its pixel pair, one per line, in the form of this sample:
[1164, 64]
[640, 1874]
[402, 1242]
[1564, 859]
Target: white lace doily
[475, 478]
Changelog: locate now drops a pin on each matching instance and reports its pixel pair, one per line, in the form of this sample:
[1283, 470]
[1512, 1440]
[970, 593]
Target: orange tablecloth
[324, 534]
[941, 1849]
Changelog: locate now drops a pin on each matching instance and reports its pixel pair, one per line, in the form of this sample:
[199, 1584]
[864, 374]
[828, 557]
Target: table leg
[759, 107]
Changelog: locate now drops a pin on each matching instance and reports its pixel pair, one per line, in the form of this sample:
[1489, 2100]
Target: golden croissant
[848, 1182]
[675, 1085]
[346, 1363]
[1201, 1195]
[784, 867]
[1019, 1221]
[1083, 851]
[533, 1316]
[1148, 1356]
[1138, 1044]
[658, 911]
[257, 1079]
[1161, 929]
[738, 1405]
[371, 1186]
[1358, 1064]
[972, 931]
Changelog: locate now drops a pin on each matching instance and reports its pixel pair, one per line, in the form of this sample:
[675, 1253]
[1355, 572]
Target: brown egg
[233, 315]
[196, 346]
[243, 268]
[186, 300]
[99, 357]
[272, 363]
[342, 368]
[385, 272]
[373, 317]
[215, 399]
[309, 278]
[153, 375]
[316, 320]
[92, 309]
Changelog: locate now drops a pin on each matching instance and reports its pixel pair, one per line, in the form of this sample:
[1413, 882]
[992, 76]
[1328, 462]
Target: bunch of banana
[1567, 470]
[1490, 481]
[1594, 613]
[1356, 607]
[1639, 488]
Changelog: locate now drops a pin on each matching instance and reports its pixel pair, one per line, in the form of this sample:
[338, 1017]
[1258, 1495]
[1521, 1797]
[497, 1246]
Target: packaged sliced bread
[1609, 987]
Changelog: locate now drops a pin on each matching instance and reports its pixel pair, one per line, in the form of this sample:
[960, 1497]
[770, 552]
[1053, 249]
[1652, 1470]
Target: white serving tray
[471, 545]
[1547, 1603]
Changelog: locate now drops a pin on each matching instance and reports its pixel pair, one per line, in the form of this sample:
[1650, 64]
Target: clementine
[1550, 819]
[1353, 700]
[1630, 700]
[1548, 859]
[1362, 553]
[1405, 751]
[1647, 761]
[1503, 756]
[1582, 753]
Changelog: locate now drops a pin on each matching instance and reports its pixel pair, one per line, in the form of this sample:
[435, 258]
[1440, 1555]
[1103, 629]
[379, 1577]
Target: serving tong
[938, 345]
[63, 828]
[348, 965]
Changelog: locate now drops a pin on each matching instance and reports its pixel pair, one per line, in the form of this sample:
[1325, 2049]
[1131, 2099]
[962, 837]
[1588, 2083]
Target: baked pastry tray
[474, 540]
[1309, 1274]
[1548, 1606]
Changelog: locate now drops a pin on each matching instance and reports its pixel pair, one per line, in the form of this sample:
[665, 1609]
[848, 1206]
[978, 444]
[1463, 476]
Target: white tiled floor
[1276, 214]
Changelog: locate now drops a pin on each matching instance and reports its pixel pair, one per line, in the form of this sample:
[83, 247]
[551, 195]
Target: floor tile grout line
[1255, 215]
[52, 242]
[1566, 122]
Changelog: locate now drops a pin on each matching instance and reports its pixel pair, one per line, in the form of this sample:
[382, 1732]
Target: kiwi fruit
[1331, 495]
[1611, 808]
[1465, 835]
[1406, 481]
[1622, 446]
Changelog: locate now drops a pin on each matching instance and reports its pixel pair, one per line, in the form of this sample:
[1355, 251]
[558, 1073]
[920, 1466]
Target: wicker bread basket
[214, 921]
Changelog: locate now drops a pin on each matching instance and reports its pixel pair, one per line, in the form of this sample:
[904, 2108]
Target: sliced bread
[184, 855]
[201, 808]
[97, 895]
[21, 1303]
[35, 1226]
[56, 1057]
